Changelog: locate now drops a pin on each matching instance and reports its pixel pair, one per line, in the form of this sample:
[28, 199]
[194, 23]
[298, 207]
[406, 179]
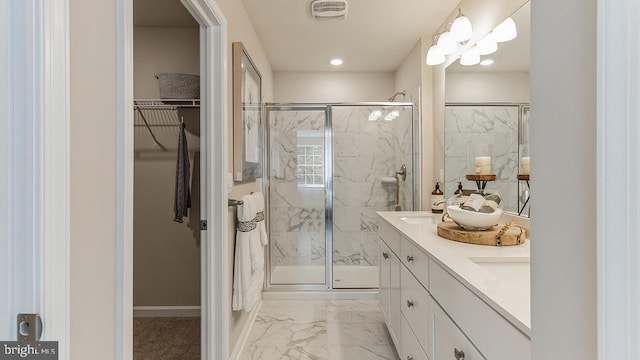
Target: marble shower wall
[466, 126]
[363, 153]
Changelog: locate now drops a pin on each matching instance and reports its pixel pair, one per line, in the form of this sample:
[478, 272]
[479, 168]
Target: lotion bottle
[437, 203]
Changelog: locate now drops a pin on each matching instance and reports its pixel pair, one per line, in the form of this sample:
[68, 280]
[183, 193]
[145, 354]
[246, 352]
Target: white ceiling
[377, 35]
[512, 56]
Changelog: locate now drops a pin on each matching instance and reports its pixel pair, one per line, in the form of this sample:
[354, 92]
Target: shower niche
[329, 169]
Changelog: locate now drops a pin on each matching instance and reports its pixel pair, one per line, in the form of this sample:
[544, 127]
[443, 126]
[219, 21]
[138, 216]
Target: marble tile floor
[166, 338]
[319, 330]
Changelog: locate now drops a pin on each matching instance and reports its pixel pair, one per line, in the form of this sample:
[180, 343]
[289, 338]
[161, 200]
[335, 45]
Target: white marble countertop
[508, 295]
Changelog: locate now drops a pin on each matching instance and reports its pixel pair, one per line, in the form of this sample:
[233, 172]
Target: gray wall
[93, 143]
[563, 144]
[333, 86]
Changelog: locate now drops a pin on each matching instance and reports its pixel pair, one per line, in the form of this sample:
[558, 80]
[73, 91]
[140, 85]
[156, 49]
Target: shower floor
[344, 276]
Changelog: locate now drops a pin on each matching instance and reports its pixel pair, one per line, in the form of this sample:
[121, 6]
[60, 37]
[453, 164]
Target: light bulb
[505, 31]
[486, 62]
[461, 29]
[336, 62]
[487, 45]
[471, 57]
[434, 56]
[446, 44]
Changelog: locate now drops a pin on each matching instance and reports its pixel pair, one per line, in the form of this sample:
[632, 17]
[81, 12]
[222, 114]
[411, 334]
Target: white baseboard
[244, 335]
[315, 295]
[166, 311]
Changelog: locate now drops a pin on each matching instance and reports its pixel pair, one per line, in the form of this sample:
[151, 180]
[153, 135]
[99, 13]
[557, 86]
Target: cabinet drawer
[450, 342]
[389, 235]
[416, 261]
[409, 348]
[415, 305]
[474, 317]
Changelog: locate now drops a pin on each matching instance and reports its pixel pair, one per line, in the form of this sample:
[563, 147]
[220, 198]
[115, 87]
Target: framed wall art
[247, 117]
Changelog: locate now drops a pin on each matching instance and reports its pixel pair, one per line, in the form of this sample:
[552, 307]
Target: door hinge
[29, 327]
[203, 224]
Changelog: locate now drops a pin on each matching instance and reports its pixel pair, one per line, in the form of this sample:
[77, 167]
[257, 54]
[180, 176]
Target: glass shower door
[297, 196]
[370, 144]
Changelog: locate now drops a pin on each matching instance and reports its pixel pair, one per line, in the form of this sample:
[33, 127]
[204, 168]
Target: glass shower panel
[297, 193]
[370, 144]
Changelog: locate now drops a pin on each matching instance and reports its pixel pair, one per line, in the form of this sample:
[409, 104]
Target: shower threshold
[344, 276]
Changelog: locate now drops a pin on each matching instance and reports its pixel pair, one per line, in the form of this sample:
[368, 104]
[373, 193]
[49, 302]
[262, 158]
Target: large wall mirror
[487, 115]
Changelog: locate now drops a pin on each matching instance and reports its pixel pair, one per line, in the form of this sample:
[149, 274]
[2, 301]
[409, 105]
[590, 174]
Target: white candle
[525, 169]
[483, 165]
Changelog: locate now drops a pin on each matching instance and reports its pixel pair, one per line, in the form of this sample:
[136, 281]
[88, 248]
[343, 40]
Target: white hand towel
[247, 282]
[258, 197]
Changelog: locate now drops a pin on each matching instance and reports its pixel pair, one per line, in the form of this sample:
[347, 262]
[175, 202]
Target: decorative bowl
[471, 220]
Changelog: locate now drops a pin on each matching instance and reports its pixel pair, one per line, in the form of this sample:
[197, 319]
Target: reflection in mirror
[487, 115]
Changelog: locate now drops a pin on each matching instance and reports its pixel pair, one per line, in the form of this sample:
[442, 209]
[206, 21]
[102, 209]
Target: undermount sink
[516, 269]
[420, 219]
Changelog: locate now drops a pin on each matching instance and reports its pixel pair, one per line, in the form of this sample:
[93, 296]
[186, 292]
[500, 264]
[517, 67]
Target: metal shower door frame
[328, 178]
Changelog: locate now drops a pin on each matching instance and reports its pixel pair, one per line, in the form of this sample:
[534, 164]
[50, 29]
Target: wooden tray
[512, 235]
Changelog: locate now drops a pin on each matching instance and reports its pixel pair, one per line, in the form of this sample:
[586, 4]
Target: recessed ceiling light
[336, 62]
[486, 62]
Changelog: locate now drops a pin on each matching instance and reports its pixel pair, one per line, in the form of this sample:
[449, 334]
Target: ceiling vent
[329, 10]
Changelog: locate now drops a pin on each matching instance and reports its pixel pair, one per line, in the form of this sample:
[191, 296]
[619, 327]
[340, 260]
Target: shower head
[403, 93]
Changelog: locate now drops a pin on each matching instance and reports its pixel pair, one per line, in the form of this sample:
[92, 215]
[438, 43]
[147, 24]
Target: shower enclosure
[330, 168]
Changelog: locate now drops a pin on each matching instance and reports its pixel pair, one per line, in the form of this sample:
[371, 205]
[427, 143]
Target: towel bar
[233, 202]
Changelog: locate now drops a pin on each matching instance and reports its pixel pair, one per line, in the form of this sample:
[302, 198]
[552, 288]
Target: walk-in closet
[166, 222]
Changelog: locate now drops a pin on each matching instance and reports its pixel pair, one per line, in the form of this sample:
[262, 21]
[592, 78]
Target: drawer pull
[409, 304]
[409, 258]
[458, 354]
[385, 255]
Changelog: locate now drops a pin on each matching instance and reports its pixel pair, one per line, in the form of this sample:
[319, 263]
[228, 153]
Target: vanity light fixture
[470, 57]
[461, 29]
[487, 45]
[505, 31]
[486, 62]
[446, 44]
[435, 56]
[336, 62]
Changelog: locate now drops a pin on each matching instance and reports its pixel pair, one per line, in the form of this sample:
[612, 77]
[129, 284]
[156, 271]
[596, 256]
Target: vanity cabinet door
[410, 348]
[415, 305]
[449, 342]
[385, 278]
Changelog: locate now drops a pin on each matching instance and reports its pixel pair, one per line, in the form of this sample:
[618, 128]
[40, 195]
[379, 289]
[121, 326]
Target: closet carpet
[166, 338]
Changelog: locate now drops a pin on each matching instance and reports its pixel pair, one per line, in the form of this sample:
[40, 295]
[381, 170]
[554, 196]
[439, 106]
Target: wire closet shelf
[152, 113]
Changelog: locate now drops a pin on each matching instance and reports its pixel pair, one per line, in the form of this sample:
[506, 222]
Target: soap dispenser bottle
[459, 191]
[437, 200]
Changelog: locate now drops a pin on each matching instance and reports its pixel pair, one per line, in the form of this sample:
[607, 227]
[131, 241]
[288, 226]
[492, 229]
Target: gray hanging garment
[182, 201]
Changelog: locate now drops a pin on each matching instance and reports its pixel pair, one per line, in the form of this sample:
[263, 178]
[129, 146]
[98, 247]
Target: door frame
[34, 194]
[214, 158]
[618, 178]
